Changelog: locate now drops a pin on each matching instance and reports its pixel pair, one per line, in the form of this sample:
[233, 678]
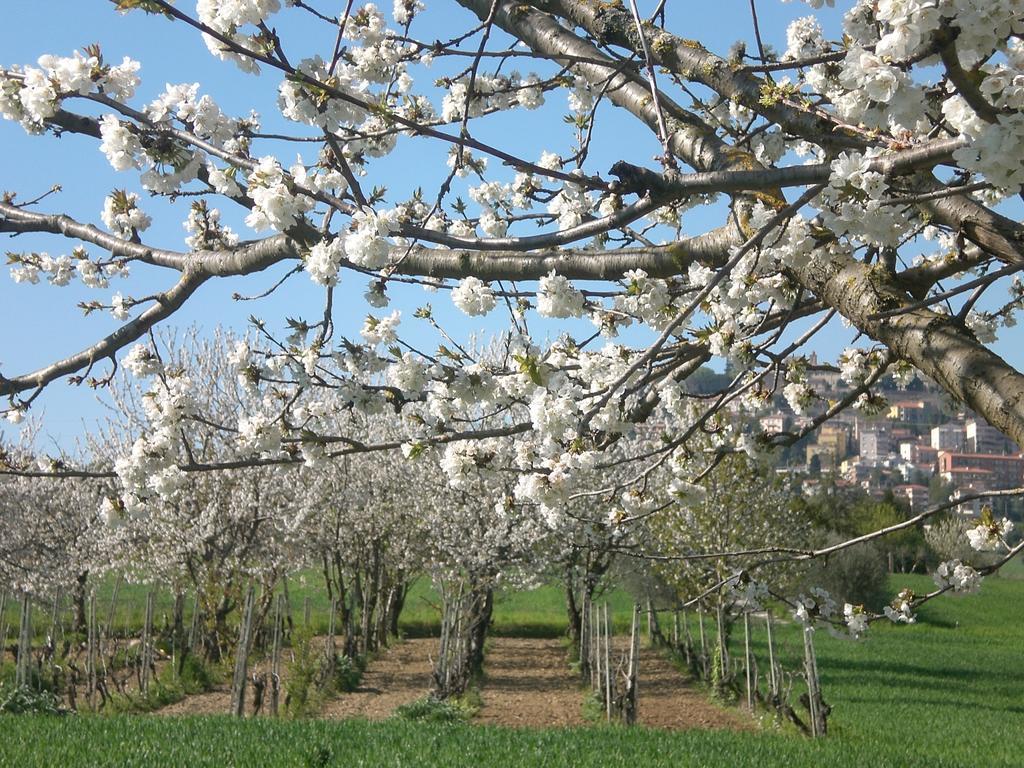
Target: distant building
[915, 495]
[914, 412]
[835, 438]
[774, 423]
[921, 455]
[948, 437]
[875, 445]
[981, 438]
[992, 470]
[853, 470]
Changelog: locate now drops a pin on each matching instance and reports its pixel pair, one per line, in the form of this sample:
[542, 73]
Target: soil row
[527, 683]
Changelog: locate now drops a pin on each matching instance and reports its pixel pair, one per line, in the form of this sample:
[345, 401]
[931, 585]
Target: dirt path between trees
[527, 683]
[398, 676]
[666, 699]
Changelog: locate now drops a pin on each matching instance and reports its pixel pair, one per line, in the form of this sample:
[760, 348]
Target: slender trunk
[78, 600]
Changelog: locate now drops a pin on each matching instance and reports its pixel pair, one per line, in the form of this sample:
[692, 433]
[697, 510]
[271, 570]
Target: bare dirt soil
[667, 699]
[527, 683]
[397, 676]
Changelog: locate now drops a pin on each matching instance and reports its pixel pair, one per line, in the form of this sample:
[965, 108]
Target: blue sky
[41, 323]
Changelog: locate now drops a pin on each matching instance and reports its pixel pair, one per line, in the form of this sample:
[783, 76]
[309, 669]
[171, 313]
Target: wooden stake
[91, 652]
[748, 660]
[145, 651]
[773, 677]
[24, 660]
[607, 664]
[242, 656]
[703, 645]
[275, 657]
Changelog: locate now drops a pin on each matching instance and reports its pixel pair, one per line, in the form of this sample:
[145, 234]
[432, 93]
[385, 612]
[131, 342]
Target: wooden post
[287, 605]
[306, 610]
[818, 724]
[3, 625]
[24, 661]
[110, 612]
[330, 649]
[242, 656]
[723, 653]
[275, 657]
[583, 649]
[773, 677]
[629, 697]
[145, 655]
[92, 651]
[194, 624]
[54, 614]
[748, 660]
[687, 641]
[650, 622]
[703, 645]
[594, 648]
[607, 664]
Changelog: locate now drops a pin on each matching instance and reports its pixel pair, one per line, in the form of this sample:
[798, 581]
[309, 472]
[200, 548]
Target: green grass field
[536, 613]
[943, 692]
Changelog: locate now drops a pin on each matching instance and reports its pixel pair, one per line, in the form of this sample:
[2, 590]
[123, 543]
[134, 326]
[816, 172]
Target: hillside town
[920, 447]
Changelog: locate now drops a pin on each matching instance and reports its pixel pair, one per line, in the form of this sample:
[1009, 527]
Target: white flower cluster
[381, 330]
[958, 576]
[900, 610]
[122, 216]
[32, 95]
[804, 38]
[226, 17]
[120, 306]
[120, 144]
[201, 115]
[819, 604]
[367, 245]
[259, 434]
[857, 365]
[324, 260]
[852, 203]
[556, 297]
[570, 205]
[404, 10]
[60, 270]
[151, 469]
[205, 230]
[408, 374]
[141, 362]
[856, 619]
[308, 104]
[648, 299]
[989, 533]
[491, 93]
[473, 296]
[275, 205]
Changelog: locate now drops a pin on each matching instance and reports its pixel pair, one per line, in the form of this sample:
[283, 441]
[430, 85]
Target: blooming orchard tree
[53, 543]
[863, 172]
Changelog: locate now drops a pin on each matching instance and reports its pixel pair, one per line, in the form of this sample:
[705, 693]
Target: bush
[855, 575]
[25, 701]
[194, 676]
[433, 710]
[348, 672]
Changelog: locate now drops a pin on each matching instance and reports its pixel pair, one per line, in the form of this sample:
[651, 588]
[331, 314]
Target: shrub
[855, 575]
[25, 701]
[433, 710]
